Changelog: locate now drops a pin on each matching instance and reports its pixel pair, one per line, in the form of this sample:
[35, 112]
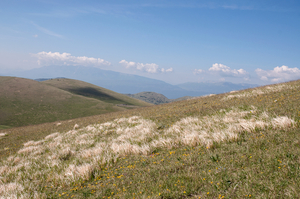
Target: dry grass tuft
[3, 134]
[11, 190]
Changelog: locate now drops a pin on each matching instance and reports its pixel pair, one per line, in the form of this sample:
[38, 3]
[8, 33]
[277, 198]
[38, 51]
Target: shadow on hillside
[95, 93]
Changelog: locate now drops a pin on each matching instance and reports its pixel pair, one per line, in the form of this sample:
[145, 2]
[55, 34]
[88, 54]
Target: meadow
[242, 144]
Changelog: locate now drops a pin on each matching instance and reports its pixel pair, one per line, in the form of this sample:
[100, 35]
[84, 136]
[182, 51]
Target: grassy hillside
[151, 97]
[156, 98]
[27, 102]
[93, 91]
[237, 145]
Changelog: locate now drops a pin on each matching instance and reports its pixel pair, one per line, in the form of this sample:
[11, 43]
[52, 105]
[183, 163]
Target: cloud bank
[198, 71]
[149, 68]
[226, 71]
[279, 74]
[56, 58]
[221, 70]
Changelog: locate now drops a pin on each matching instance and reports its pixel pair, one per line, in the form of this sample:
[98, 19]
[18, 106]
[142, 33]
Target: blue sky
[241, 41]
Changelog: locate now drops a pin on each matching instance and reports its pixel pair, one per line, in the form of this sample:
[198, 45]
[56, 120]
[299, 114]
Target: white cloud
[224, 70]
[35, 36]
[279, 74]
[149, 68]
[198, 71]
[56, 58]
[169, 70]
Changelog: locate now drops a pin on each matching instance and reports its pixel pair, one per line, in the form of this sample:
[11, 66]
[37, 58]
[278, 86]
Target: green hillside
[243, 144]
[93, 91]
[27, 102]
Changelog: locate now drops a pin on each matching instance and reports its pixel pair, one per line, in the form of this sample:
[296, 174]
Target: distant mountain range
[127, 83]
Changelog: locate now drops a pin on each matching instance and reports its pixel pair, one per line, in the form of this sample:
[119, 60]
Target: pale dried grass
[29, 149]
[283, 122]
[51, 136]
[3, 134]
[79, 172]
[11, 190]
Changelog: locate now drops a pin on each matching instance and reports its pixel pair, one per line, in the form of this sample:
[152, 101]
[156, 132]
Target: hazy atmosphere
[254, 42]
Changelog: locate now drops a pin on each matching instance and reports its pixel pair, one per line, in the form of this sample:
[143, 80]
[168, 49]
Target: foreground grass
[263, 163]
[251, 167]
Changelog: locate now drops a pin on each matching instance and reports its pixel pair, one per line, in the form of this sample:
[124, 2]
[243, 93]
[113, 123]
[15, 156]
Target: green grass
[259, 164]
[4, 127]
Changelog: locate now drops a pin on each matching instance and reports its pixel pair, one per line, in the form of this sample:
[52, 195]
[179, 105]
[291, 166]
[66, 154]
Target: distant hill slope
[151, 97]
[156, 98]
[201, 88]
[93, 91]
[128, 83]
[116, 81]
[215, 88]
[26, 102]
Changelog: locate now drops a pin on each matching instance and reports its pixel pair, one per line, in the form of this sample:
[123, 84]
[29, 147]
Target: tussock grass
[206, 148]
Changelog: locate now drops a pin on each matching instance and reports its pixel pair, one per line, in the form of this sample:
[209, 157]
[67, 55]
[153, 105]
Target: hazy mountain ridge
[129, 84]
[116, 81]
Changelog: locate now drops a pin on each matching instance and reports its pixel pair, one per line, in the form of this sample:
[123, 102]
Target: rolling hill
[89, 90]
[27, 102]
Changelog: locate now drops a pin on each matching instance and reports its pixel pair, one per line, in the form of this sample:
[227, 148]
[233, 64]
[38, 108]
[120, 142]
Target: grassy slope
[262, 164]
[27, 102]
[156, 98]
[90, 90]
[151, 97]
